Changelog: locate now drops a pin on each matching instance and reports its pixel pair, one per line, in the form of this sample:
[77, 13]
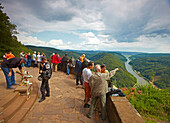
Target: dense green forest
[153, 104]
[8, 40]
[155, 69]
[149, 55]
[112, 61]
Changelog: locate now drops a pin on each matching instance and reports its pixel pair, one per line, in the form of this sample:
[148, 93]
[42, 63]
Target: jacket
[78, 66]
[46, 70]
[98, 83]
[54, 59]
[58, 59]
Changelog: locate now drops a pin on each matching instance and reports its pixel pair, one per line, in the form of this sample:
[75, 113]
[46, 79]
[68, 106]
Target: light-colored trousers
[103, 105]
[54, 67]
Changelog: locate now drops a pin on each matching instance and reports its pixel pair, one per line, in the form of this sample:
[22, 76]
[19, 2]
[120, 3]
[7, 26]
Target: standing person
[10, 55]
[7, 66]
[49, 59]
[29, 60]
[58, 62]
[99, 88]
[4, 56]
[26, 60]
[22, 57]
[84, 64]
[38, 59]
[71, 64]
[83, 57]
[46, 72]
[65, 60]
[34, 56]
[104, 70]
[42, 55]
[86, 76]
[54, 61]
[78, 71]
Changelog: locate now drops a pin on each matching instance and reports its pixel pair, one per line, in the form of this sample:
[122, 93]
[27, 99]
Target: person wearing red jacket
[55, 62]
[58, 59]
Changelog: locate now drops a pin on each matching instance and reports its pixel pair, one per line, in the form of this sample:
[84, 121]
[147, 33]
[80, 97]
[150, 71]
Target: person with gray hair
[99, 88]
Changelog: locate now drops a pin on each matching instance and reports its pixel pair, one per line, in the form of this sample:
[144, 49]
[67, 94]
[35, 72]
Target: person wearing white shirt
[34, 58]
[86, 76]
[38, 59]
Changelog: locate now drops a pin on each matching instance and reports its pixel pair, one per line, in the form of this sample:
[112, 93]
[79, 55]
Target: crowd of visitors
[95, 84]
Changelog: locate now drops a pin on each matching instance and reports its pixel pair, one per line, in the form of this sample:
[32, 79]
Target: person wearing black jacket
[84, 64]
[65, 61]
[46, 72]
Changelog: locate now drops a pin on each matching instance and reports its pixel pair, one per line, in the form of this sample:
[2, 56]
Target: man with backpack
[46, 72]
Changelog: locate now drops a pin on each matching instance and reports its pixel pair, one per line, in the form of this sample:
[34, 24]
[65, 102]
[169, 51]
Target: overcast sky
[117, 25]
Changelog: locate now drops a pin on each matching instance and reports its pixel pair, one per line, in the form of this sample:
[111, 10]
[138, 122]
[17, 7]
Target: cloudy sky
[116, 25]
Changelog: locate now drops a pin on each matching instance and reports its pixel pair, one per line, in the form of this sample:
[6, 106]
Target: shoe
[42, 99]
[11, 88]
[15, 84]
[88, 116]
[47, 95]
[86, 105]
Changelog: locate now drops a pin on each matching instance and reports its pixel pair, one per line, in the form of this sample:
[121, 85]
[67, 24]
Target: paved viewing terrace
[64, 105]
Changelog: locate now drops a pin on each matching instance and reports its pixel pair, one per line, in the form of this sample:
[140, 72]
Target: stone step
[11, 109]
[20, 114]
[7, 100]
[22, 111]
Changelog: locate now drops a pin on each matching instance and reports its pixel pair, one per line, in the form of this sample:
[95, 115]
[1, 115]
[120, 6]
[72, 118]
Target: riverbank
[140, 80]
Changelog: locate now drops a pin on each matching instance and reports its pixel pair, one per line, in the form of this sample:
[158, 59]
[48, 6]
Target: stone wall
[120, 110]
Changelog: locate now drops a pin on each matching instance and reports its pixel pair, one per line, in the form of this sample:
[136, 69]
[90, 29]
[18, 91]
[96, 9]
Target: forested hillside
[155, 69]
[122, 77]
[149, 55]
[8, 40]
[49, 51]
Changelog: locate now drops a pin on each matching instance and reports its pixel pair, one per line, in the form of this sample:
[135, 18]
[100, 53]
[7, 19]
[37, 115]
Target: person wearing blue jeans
[29, 63]
[68, 70]
[78, 71]
[10, 80]
[79, 77]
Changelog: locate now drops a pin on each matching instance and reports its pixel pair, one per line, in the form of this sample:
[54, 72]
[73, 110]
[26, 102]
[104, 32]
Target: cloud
[126, 20]
[58, 44]
[55, 42]
[120, 24]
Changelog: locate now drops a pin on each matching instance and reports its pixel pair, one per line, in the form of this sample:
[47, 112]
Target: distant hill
[49, 51]
[156, 69]
[149, 55]
[122, 78]
[8, 40]
[94, 52]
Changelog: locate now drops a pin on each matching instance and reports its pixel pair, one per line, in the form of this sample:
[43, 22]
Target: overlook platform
[64, 105]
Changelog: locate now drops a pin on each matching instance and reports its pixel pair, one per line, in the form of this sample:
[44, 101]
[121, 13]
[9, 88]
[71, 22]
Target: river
[140, 80]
